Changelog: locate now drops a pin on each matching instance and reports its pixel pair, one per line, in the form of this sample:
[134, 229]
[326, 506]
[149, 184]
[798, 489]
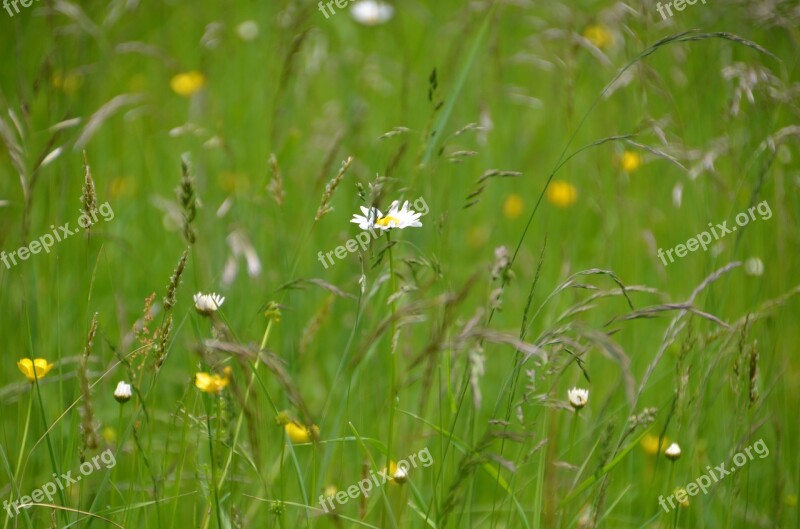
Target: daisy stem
[392, 359]
[574, 430]
[120, 442]
[240, 420]
[672, 487]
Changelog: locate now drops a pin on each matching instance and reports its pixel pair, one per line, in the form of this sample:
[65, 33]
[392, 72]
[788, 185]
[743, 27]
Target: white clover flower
[399, 218]
[578, 397]
[207, 303]
[371, 12]
[123, 392]
[673, 452]
[754, 266]
[247, 30]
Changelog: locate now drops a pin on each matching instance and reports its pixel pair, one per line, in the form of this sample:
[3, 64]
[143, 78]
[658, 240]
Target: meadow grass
[558, 146]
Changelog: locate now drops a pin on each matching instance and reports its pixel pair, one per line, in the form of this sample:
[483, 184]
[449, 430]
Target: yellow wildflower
[299, 433]
[396, 474]
[630, 161]
[187, 83]
[109, 435]
[561, 193]
[598, 35]
[650, 445]
[33, 369]
[212, 383]
[513, 206]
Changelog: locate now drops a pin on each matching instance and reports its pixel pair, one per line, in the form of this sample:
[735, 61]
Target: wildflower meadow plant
[190, 365]
[374, 223]
[34, 369]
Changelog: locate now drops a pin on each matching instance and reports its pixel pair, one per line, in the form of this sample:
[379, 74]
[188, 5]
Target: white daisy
[371, 12]
[754, 266]
[395, 218]
[247, 30]
[123, 392]
[400, 475]
[207, 303]
[578, 397]
[673, 451]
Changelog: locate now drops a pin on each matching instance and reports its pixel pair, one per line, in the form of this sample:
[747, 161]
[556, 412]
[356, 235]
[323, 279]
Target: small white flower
[123, 392]
[677, 195]
[399, 218]
[754, 266]
[400, 475]
[578, 397]
[207, 303]
[371, 12]
[673, 452]
[247, 30]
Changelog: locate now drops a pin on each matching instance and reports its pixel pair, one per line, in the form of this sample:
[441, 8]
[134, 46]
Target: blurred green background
[701, 128]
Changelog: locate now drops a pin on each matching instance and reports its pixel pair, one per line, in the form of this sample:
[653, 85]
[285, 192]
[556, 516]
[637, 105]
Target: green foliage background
[315, 91]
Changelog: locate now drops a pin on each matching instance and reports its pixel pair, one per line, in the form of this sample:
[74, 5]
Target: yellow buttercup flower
[650, 445]
[34, 369]
[109, 435]
[212, 383]
[561, 193]
[598, 35]
[630, 161]
[513, 206]
[299, 433]
[187, 83]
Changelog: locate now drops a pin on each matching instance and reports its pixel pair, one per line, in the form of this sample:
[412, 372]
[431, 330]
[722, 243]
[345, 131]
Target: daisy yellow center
[387, 221]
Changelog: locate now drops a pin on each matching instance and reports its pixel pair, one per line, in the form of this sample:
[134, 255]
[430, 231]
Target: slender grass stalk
[19, 464]
[240, 420]
[53, 461]
[392, 357]
[213, 463]
[24, 436]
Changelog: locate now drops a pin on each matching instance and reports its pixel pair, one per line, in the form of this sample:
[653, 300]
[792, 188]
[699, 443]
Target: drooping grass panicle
[161, 336]
[171, 298]
[88, 435]
[188, 199]
[330, 189]
[89, 195]
[275, 186]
